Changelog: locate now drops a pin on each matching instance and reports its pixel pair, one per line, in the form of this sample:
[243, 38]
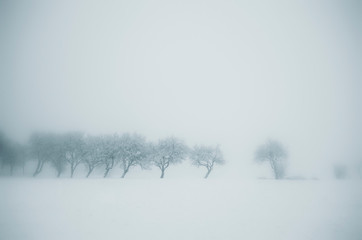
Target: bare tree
[133, 151]
[8, 153]
[93, 153]
[168, 151]
[11, 154]
[110, 149]
[274, 153]
[57, 148]
[206, 157]
[75, 149]
[39, 150]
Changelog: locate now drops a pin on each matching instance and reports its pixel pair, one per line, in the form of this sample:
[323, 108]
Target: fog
[233, 73]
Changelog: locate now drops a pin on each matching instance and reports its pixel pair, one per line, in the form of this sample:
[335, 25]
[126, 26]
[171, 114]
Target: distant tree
[12, 154]
[57, 152]
[6, 150]
[168, 151]
[206, 157]
[22, 153]
[93, 153]
[133, 151]
[75, 149]
[274, 153]
[110, 150]
[340, 171]
[39, 148]
[7, 153]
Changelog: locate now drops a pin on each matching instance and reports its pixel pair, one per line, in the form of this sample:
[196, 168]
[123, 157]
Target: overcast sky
[233, 73]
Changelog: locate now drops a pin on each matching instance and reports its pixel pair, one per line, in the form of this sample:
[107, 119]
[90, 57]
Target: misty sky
[233, 73]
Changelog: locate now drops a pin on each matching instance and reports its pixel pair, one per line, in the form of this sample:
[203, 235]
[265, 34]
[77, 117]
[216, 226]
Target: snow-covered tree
[93, 153]
[110, 149]
[57, 150]
[75, 149]
[39, 149]
[168, 151]
[274, 153]
[206, 157]
[133, 151]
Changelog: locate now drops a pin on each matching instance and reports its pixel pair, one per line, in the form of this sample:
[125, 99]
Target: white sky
[211, 72]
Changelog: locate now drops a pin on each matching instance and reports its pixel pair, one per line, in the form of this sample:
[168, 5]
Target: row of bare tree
[104, 151]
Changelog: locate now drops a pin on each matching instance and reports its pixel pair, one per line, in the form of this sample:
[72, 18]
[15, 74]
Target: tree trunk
[208, 172]
[109, 167]
[277, 172]
[163, 173]
[38, 168]
[89, 171]
[72, 168]
[35, 173]
[124, 173]
[274, 168]
[59, 172]
[106, 173]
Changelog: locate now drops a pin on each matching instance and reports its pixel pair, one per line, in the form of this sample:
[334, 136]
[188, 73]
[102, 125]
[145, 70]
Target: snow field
[43, 209]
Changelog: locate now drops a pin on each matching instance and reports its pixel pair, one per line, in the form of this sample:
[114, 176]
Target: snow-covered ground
[172, 209]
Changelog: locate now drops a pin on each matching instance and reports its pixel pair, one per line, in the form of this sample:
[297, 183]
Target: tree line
[105, 152]
[125, 151]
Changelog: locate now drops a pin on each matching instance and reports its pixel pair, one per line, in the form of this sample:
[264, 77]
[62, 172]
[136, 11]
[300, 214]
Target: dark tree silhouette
[93, 155]
[57, 147]
[274, 153]
[40, 150]
[110, 150]
[75, 149]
